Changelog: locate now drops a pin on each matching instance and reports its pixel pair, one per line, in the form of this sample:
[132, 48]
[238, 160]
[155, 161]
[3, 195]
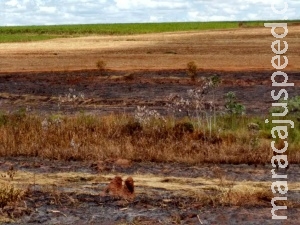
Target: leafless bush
[192, 70]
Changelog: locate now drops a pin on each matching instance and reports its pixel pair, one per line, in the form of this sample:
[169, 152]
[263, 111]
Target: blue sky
[36, 12]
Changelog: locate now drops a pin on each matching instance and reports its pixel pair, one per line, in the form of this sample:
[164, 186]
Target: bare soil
[34, 75]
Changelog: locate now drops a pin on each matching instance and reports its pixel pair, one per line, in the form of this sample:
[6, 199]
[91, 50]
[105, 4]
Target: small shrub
[192, 70]
[232, 106]
[101, 65]
[215, 80]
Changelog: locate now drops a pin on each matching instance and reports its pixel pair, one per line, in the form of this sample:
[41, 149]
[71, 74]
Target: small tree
[192, 70]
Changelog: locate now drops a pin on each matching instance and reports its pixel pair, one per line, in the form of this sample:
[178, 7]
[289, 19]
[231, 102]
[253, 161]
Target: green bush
[232, 106]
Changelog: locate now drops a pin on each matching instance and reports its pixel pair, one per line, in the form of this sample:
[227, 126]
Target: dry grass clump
[88, 137]
[235, 197]
[9, 194]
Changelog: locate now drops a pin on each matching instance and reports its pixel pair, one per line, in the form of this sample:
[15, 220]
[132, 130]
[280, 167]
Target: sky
[46, 12]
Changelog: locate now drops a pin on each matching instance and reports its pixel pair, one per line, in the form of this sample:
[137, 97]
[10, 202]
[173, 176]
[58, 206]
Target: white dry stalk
[45, 124]
[195, 103]
[199, 219]
[144, 115]
[71, 96]
[72, 143]
[177, 104]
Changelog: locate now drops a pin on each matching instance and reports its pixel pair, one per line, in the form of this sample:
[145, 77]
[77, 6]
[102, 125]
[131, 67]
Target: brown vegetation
[85, 137]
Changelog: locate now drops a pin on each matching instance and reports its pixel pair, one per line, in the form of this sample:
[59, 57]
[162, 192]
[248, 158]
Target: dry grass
[9, 194]
[87, 137]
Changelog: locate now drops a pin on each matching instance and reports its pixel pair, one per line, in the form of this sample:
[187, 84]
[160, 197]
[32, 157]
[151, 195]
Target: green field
[5, 38]
[34, 33]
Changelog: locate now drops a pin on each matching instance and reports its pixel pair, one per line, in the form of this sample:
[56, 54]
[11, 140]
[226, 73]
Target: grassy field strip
[8, 38]
[133, 28]
[84, 180]
[38, 33]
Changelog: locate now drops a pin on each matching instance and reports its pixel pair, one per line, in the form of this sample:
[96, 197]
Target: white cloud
[31, 12]
[13, 3]
[149, 4]
[47, 9]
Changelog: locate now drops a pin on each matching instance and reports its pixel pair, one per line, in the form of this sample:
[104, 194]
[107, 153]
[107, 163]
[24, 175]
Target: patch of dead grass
[86, 137]
[206, 191]
[9, 194]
